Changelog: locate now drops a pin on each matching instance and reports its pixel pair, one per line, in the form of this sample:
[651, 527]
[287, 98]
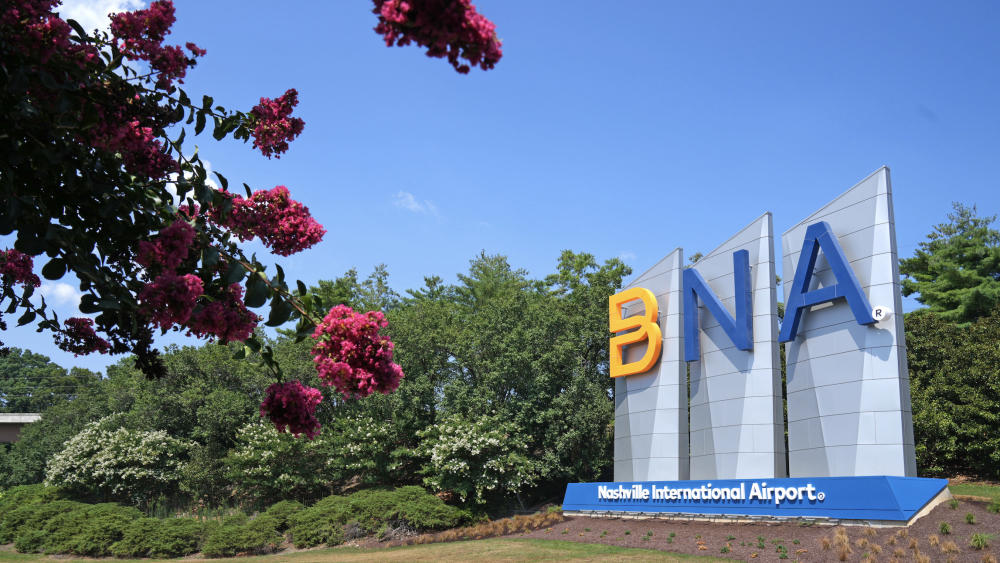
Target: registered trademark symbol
[880, 314]
[820, 496]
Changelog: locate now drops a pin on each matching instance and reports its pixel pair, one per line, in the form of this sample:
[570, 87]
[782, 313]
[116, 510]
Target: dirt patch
[801, 543]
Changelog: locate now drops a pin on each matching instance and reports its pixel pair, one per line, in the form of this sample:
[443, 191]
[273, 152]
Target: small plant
[934, 541]
[760, 539]
[776, 542]
[914, 544]
[980, 541]
[673, 535]
[586, 529]
[994, 506]
[753, 555]
[862, 543]
[953, 504]
[949, 547]
[923, 558]
[842, 553]
[944, 528]
[892, 540]
[730, 537]
[698, 537]
[902, 533]
[670, 540]
[825, 544]
[649, 534]
[950, 559]
[869, 531]
[796, 542]
[743, 544]
[725, 549]
[989, 559]
[628, 532]
[564, 532]
[970, 518]
[876, 549]
[899, 553]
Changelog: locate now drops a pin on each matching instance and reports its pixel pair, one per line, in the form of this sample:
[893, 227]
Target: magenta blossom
[80, 339]
[292, 406]
[17, 268]
[141, 33]
[226, 319]
[170, 248]
[283, 224]
[351, 356]
[169, 299]
[448, 28]
[275, 127]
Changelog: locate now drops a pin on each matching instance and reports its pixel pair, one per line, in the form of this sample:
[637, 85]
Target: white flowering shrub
[363, 448]
[476, 459]
[118, 463]
[268, 466]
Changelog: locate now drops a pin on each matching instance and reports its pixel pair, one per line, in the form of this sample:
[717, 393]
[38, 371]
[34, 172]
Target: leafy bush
[980, 541]
[320, 523]
[31, 517]
[90, 530]
[153, 537]
[283, 511]
[30, 542]
[419, 508]
[256, 537]
[257, 475]
[476, 458]
[993, 507]
[124, 464]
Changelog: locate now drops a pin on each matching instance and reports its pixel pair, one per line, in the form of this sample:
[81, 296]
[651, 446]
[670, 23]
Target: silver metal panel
[848, 393]
[651, 424]
[735, 394]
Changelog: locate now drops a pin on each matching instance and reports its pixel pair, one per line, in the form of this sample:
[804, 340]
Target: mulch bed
[690, 538]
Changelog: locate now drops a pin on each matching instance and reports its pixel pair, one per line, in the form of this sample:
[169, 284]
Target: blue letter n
[820, 236]
[740, 329]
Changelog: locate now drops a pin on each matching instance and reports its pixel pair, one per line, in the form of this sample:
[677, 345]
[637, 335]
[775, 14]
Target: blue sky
[679, 121]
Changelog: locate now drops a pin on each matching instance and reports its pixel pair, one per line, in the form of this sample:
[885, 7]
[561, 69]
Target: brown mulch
[690, 538]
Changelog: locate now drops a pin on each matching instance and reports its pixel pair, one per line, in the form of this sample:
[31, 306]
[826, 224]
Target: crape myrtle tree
[96, 182]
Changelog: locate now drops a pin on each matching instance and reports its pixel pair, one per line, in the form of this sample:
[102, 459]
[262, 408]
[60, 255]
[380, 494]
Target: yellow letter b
[647, 326]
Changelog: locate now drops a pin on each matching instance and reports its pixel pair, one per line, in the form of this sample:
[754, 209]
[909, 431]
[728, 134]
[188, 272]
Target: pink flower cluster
[283, 224]
[169, 299]
[351, 356]
[17, 268]
[292, 406]
[35, 30]
[448, 28]
[79, 338]
[226, 318]
[274, 127]
[141, 33]
[170, 249]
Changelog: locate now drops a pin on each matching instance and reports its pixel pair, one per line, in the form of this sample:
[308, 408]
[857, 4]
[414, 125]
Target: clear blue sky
[683, 121]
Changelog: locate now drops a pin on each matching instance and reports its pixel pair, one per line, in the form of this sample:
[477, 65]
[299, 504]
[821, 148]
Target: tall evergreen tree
[957, 272]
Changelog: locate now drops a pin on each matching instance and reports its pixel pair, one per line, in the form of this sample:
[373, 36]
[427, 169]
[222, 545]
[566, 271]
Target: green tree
[32, 383]
[955, 390]
[957, 272]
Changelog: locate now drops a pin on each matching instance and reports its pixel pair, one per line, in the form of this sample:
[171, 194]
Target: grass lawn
[976, 490]
[483, 551]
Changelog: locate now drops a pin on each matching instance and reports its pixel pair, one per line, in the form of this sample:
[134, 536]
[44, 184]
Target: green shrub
[90, 530]
[30, 542]
[258, 536]
[283, 511]
[970, 518]
[944, 528]
[138, 539]
[994, 506]
[555, 509]
[319, 523]
[32, 516]
[153, 537]
[419, 508]
[237, 519]
[980, 541]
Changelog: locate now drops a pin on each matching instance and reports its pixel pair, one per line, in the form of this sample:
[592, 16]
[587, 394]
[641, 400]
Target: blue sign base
[842, 498]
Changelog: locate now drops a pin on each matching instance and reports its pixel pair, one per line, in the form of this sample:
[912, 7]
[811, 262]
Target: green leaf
[222, 180]
[30, 244]
[200, 126]
[257, 292]
[26, 318]
[240, 354]
[209, 257]
[55, 269]
[234, 274]
[88, 304]
[109, 304]
[253, 344]
[281, 310]
[301, 287]
[249, 193]
[206, 103]
[76, 27]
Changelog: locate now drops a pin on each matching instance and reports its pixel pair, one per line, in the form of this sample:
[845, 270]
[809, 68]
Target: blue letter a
[740, 329]
[820, 235]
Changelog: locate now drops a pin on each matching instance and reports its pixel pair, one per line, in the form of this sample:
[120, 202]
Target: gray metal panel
[736, 395]
[848, 392]
[651, 424]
